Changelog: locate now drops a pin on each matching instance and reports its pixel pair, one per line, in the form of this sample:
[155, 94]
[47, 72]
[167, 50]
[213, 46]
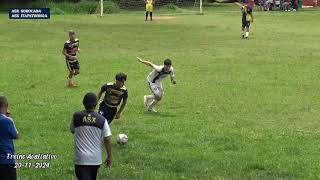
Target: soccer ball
[122, 139]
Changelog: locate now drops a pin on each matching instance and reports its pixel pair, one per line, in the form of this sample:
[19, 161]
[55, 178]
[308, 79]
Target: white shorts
[156, 89]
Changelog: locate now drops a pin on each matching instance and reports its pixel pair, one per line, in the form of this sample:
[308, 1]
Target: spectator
[8, 132]
[250, 4]
[315, 3]
[89, 127]
[286, 5]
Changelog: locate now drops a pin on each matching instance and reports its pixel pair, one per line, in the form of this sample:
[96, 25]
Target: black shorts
[86, 172]
[74, 65]
[245, 24]
[8, 172]
[107, 111]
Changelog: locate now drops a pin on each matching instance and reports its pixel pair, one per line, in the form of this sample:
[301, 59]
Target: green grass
[242, 109]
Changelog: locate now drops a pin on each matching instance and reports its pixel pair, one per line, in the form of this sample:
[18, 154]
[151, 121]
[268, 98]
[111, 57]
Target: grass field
[241, 109]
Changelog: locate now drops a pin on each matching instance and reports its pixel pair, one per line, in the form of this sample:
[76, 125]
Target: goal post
[101, 8]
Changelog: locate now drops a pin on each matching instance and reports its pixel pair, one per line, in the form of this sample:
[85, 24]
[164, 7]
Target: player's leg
[247, 29]
[243, 29]
[107, 112]
[70, 76]
[110, 114]
[82, 172]
[158, 92]
[151, 9]
[147, 13]
[102, 109]
[76, 68]
[94, 172]
[147, 99]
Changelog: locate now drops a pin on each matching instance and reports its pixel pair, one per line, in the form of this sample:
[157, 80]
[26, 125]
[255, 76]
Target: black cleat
[242, 36]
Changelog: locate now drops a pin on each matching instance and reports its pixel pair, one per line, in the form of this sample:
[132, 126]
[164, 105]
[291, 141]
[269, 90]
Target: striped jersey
[113, 95]
[71, 47]
[158, 74]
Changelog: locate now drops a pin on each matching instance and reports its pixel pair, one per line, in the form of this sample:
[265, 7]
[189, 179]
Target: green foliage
[110, 7]
[241, 109]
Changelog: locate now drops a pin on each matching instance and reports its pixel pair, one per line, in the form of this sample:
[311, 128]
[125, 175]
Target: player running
[70, 50]
[149, 8]
[247, 17]
[155, 82]
[114, 94]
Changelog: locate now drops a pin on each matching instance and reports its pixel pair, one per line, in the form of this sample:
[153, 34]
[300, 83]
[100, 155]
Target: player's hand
[78, 50]
[8, 113]
[140, 60]
[117, 116]
[108, 162]
[174, 82]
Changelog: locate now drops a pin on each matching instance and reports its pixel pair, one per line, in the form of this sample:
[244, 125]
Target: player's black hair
[90, 101]
[72, 32]
[3, 101]
[167, 62]
[121, 77]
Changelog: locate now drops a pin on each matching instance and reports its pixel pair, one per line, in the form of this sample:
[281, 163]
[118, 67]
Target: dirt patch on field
[163, 17]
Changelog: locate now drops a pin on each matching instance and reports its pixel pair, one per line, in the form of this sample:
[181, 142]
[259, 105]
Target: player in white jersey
[155, 82]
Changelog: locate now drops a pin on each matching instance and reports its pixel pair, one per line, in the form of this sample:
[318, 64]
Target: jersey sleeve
[65, 46]
[125, 94]
[72, 126]
[106, 130]
[104, 88]
[12, 129]
[172, 73]
[157, 68]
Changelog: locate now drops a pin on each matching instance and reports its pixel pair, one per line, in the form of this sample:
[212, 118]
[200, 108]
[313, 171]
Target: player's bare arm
[107, 144]
[251, 14]
[146, 62]
[123, 105]
[99, 95]
[173, 81]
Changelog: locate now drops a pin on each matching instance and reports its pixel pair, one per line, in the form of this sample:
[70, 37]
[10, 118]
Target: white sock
[247, 34]
[153, 103]
[149, 99]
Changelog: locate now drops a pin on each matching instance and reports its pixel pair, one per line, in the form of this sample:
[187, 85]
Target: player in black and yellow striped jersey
[247, 17]
[115, 94]
[149, 8]
[70, 50]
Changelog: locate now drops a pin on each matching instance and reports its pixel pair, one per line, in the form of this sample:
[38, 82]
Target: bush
[110, 7]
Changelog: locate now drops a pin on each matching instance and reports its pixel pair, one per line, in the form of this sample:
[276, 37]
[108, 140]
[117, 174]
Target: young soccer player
[149, 8]
[155, 82]
[114, 94]
[247, 17]
[70, 50]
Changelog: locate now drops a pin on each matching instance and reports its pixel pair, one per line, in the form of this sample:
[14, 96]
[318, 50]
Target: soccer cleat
[152, 110]
[242, 36]
[145, 100]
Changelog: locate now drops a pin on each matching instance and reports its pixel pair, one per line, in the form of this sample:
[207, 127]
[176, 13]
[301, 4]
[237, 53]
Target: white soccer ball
[122, 139]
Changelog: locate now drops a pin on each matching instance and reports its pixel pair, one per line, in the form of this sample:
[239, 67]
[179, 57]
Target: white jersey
[158, 74]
